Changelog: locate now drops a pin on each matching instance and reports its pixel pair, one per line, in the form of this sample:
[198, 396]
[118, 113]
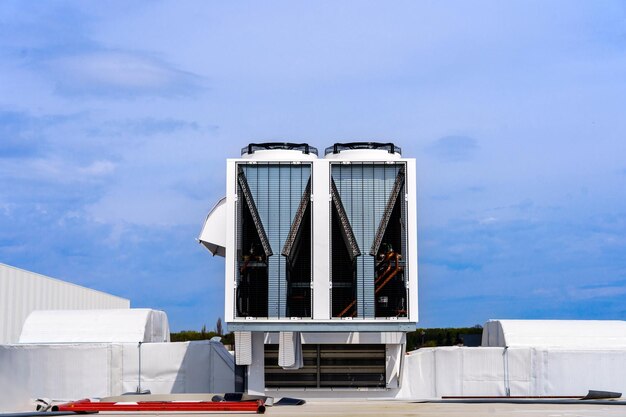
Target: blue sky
[116, 119]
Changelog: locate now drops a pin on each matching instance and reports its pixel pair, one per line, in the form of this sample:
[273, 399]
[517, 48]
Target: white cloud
[583, 293]
[453, 148]
[163, 180]
[142, 205]
[120, 72]
[54, 169]
[98, 168]
[488, 220]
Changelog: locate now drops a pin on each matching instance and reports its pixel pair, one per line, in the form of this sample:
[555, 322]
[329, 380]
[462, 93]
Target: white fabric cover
[74, 371]
[96, 326]
[87, 370]
[394, 358]
[213, 234]
[290, 350]
[602, 334]
[522, 371]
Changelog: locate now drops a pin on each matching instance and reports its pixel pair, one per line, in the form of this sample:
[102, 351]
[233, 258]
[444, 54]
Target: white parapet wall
[87, 370]
[519, 371]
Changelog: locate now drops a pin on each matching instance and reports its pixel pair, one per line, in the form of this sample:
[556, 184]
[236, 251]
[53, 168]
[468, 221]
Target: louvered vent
[329, 366]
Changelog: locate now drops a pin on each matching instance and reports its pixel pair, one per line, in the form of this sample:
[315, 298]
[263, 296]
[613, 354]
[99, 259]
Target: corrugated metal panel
[22, 292]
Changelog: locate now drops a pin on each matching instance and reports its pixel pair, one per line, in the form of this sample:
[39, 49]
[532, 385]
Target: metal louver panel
[329, 366]
[306, 376]
[346, 229]
[245, 190]
[295, 231]
[243, 348]
[391, 202]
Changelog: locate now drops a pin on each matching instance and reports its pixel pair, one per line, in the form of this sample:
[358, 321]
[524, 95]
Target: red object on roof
[256, 406]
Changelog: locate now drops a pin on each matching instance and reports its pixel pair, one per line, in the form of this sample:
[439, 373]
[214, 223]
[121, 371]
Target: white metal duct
[213, 234]
[578, 334]
[96, 326]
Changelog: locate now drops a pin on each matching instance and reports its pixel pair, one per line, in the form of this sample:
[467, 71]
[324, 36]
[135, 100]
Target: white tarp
[290, 350]
[96, 326]
[86, 370]
[74, 371]
[573, 334]
[213, 234]
[523, 371]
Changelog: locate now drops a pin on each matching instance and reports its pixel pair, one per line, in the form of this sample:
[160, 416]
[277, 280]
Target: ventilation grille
[302, 147]
[338, 147]
[329, 366]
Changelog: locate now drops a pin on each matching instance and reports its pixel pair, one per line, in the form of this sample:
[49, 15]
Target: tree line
[419, 338]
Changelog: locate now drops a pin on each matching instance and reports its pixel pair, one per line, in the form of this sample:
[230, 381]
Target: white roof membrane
[603, 334]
